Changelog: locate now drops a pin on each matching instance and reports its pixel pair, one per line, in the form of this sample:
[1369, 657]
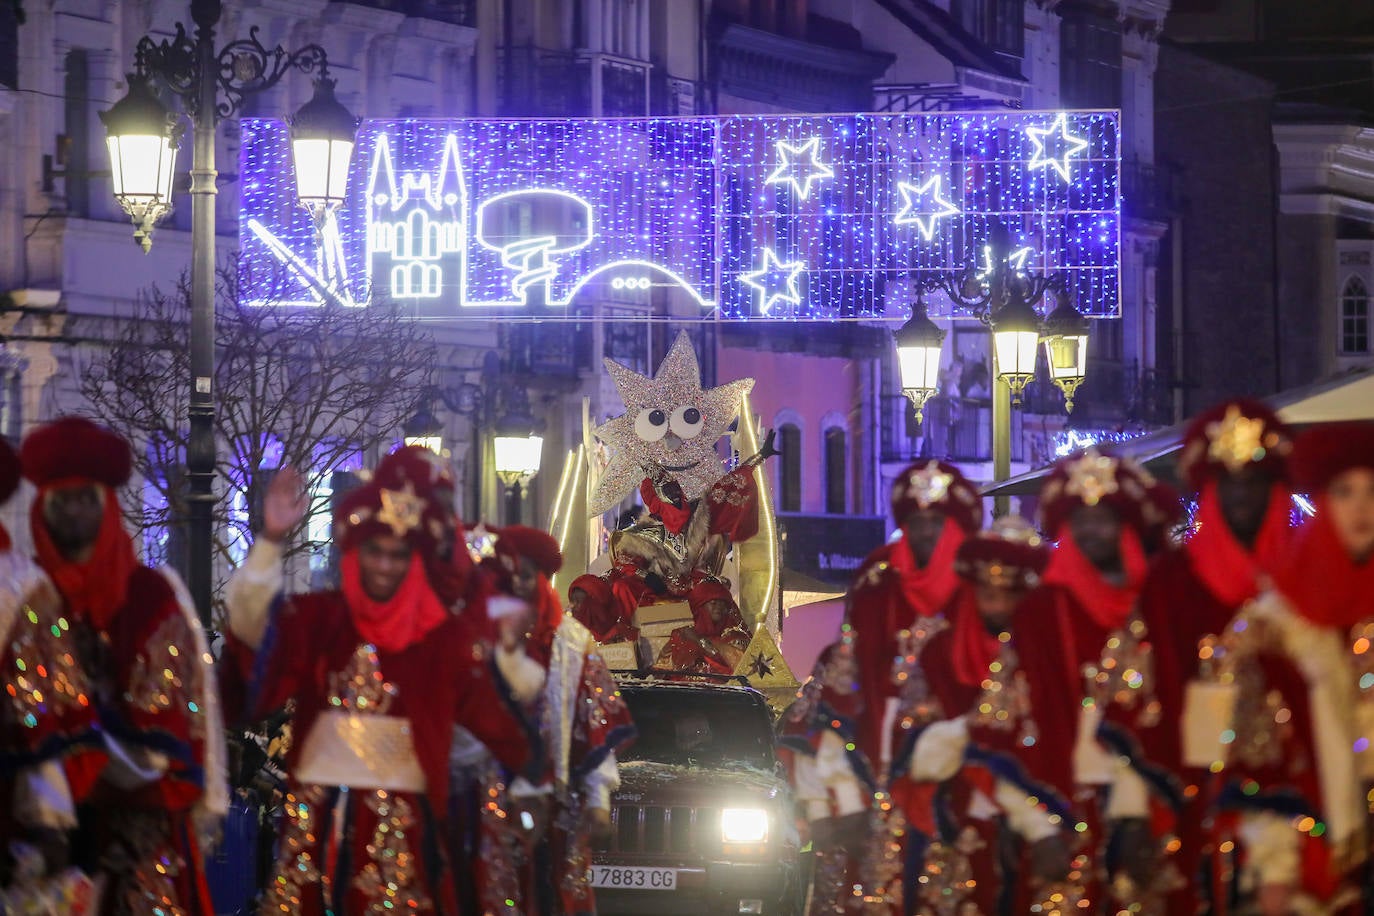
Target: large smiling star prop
[670, 422]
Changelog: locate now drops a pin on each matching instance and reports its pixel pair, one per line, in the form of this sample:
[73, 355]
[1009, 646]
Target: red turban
[1324, 452]
[940, 486]
[1091, 478]
[1233, 435]
[516, 541]
[75, 449]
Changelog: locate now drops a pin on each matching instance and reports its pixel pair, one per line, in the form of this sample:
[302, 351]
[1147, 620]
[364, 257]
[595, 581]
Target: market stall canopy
[1349, 396]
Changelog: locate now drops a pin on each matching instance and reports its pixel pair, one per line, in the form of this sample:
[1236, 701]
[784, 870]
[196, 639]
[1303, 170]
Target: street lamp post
[1004, 299]
[517, 452]
[212, 84]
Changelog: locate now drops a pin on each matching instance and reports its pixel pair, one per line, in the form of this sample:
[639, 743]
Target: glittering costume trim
[296, 869]
[390, 882]
[46, 678]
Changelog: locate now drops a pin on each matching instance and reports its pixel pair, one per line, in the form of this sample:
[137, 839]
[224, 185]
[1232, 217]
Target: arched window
[1355, 317]
[836, 448]
[789, 471]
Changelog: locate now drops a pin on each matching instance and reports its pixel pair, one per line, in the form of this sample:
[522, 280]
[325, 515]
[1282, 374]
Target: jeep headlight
[744, 826]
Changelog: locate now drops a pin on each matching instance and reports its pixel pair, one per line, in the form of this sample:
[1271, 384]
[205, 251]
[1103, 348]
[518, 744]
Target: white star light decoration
[1065, 144]
[935, 206]
[789, 170]
[775, 281]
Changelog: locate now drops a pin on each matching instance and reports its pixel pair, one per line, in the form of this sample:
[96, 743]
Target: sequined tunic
[363, 849]
[142, 684]
[963, 857]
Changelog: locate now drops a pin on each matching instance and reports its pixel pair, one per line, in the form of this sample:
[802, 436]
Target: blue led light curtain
[817, 218]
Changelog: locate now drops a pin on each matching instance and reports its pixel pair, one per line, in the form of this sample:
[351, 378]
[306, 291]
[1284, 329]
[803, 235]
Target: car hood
[645, 782]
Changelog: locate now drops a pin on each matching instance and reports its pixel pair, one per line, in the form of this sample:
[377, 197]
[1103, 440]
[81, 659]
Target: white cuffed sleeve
[131, 766]
[521, 787]
[1130, 797]
[939, 751]
[601, 782]
[808, 789]
[43, 798]
[250, 590]
[837, 773]
[1274, 846]
[523, 675]
[1030, 821]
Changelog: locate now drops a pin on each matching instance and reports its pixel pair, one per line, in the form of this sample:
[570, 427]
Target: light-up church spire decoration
[417, 222]
[923, 205]
[1055, 146]
[799, 166]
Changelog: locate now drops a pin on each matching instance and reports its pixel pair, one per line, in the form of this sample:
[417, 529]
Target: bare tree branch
[322, 384]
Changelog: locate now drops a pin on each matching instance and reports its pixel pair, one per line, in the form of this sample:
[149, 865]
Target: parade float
[692, 587]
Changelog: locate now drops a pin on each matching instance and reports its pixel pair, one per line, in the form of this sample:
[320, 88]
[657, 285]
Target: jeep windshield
[699, 728]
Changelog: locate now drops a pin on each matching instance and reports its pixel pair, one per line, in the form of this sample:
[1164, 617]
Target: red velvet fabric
[674, 514]
[973, 646]
[882, 604]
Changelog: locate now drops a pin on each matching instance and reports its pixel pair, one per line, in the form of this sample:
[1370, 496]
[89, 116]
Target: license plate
[635, 879]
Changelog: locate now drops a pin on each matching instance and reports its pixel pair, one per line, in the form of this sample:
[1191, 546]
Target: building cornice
[1326, 168]
[759, 65]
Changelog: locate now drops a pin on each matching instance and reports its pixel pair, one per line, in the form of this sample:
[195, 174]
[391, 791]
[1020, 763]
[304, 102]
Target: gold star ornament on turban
[670, 425]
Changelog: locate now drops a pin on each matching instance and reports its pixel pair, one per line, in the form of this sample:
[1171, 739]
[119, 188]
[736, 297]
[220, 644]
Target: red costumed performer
[582, 720]
[47, 719]
[996, 832]
[1303, 810]
[1235, 459]
[380, 673]
[833, 785]
[1102, 509]
[910, 578]
[151, 790]
[716, 641]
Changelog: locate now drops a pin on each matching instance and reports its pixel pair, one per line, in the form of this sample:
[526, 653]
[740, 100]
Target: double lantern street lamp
[143, 135]
[517, 446]
[1004, 299]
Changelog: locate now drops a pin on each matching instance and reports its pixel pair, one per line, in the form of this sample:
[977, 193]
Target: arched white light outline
[1072, 146]
[819, 170]
[636, 262]
[909, 191]
[792, 296]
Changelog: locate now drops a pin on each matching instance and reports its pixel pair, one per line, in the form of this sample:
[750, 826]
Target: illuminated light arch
[694, 198]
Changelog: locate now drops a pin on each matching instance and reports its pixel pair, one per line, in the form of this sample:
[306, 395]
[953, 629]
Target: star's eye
[652, 424]
[687, 422]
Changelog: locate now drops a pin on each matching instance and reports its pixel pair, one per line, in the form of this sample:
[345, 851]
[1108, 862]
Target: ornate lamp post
[1004, 299]
[212, 84]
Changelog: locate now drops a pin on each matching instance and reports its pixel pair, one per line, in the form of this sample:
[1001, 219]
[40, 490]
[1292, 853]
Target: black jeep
[703, 821]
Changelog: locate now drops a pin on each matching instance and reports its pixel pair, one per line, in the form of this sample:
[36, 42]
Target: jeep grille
[658, 830]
